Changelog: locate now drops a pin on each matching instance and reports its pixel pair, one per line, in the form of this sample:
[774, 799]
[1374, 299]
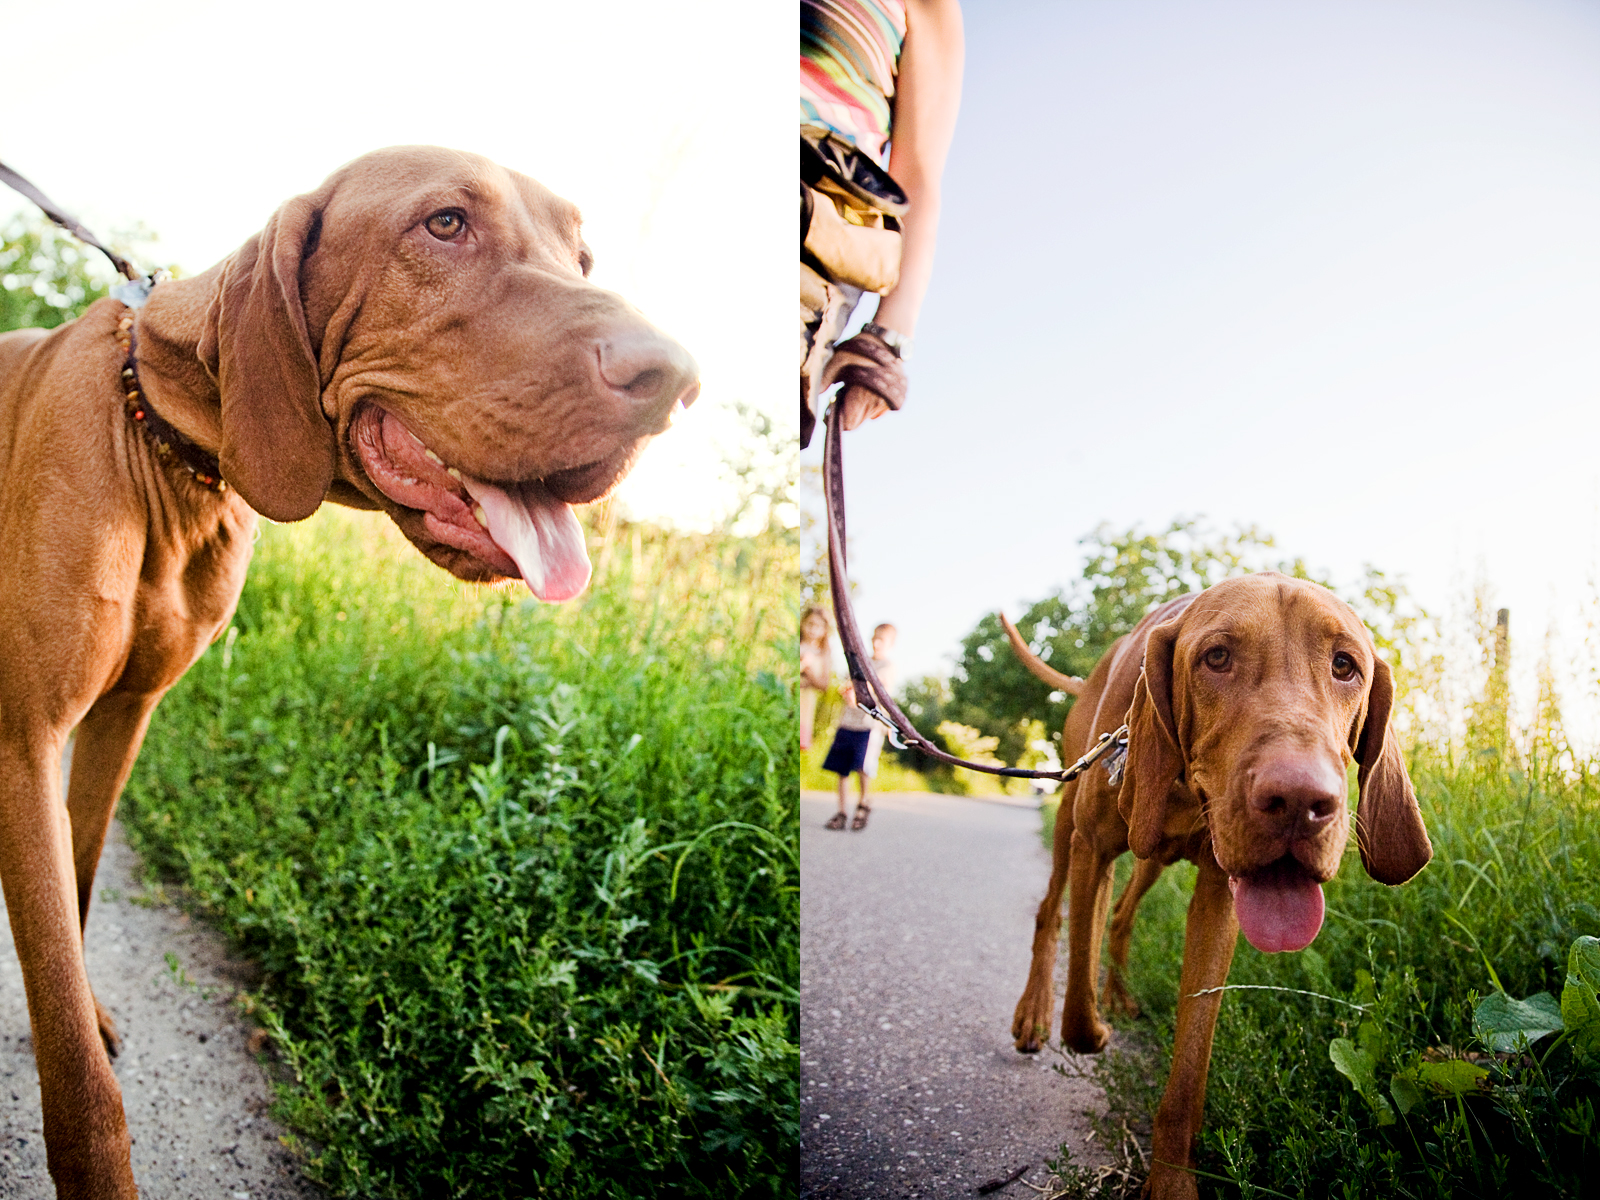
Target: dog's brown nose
[1297, 793]
[649, 369]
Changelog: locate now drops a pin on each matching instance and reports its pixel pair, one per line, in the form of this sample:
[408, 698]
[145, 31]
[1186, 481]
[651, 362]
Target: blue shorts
[848, 752]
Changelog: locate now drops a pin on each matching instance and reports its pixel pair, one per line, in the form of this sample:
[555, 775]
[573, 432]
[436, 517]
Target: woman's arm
[927, 97]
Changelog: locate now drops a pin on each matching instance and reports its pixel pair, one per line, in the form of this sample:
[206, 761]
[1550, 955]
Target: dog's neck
[170, 326]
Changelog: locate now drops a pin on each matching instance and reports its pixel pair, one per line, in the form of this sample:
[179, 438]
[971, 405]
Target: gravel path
[195, 1096]
[914, 944]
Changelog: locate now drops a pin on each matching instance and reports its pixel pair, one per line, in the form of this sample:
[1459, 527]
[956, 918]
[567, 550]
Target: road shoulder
[915, 940]
[195, 1095]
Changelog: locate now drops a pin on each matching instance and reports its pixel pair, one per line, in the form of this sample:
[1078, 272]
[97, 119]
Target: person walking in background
[816, 669]
[853, 737]
[880, 85]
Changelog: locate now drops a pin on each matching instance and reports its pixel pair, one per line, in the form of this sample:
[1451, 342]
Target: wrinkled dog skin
[1244, 704]
[417, 335]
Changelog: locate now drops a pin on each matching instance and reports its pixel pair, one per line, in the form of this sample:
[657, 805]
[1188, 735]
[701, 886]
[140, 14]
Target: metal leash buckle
[136, 291]
[1119, 736]
[882, 718]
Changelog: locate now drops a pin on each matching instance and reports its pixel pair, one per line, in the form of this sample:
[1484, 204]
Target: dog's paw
[1032, 1039]
[1089, 1037]
[108, 1030]
[1030, 1028]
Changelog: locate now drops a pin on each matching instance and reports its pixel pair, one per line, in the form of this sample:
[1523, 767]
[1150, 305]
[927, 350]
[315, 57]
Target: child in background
[848, 754]
[883, 638]
[815, 668]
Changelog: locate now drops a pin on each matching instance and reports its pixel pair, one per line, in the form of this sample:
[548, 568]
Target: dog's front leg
[86, 1136]
[107, 742]
[1116, 997]
[1088, 901]
[1030, 1023]
[1208, 943]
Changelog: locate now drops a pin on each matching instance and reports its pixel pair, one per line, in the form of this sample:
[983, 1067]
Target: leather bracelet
[896, 341]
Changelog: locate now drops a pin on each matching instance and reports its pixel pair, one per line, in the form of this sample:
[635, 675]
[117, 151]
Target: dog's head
[1259, 694]
[419, 335]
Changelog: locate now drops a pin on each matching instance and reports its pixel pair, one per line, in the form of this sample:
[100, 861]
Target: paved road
[914, 944]
[196, 1098]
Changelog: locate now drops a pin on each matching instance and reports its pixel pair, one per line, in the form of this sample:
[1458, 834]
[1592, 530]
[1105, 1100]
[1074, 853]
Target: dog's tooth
[453, 473]
[432, 457]
[477, 511]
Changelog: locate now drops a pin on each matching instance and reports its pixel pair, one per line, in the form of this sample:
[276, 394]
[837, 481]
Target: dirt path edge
[195, 1095]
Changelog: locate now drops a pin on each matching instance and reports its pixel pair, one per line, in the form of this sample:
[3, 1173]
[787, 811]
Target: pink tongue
[539, 532]
[1278, 909]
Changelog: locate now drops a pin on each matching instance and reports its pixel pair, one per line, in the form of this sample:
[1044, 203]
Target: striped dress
[849, 50]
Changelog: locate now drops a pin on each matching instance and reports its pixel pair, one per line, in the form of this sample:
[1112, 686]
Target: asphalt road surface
[195, 1096]
[914, 946]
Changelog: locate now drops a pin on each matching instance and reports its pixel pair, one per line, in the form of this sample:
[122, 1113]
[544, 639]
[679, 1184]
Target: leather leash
[70, 223]
[871, 695]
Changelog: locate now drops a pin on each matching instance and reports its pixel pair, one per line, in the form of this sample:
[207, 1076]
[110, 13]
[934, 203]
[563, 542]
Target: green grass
[523, 880]
[1514, 881]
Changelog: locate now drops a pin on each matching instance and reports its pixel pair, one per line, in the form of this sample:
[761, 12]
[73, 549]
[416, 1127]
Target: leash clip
[882, 718]
[1115, 740]
[136, 291]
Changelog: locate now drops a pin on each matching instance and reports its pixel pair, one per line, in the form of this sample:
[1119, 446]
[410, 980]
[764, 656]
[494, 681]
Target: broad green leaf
[1501, 1022]
[1360, 1067]
[1407, 1095]
[1454, 1077]
[1580, 999]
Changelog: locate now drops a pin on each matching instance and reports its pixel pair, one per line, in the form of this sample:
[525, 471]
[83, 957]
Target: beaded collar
[168, 443]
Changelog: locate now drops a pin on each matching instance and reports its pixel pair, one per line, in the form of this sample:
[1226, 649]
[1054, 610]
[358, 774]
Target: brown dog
[1253, 697]
[416, 335]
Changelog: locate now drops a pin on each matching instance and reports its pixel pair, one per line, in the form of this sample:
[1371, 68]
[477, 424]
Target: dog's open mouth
[515, 529]
[1280, 907]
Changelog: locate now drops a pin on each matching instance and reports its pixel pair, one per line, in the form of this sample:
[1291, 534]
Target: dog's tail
[1037, 667]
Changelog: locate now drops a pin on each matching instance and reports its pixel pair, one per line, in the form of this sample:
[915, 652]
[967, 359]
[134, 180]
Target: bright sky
[198, 119]
[1332, 268]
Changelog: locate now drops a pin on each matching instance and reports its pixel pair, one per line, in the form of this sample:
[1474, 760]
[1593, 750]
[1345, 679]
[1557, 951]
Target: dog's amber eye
[447, 225]
[1344, 667]
[1217, 658]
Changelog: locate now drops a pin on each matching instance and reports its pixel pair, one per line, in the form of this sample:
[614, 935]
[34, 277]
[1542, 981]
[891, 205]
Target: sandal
[863, 811]
[835, 822]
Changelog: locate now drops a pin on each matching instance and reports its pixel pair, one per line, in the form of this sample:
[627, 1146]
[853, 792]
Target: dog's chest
[189, 584]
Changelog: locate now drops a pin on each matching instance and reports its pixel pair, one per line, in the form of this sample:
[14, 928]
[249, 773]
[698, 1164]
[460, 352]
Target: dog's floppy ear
[1154, 758]
[1394, 844]
[277, 447]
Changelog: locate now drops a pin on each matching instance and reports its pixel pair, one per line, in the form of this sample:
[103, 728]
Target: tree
[762, 464]
[47, 276]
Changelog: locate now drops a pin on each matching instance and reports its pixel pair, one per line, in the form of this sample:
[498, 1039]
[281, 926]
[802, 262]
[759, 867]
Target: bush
[523, 880]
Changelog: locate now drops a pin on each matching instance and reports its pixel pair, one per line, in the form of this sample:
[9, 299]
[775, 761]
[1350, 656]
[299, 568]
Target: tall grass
[523, 880]
[1398, 972]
